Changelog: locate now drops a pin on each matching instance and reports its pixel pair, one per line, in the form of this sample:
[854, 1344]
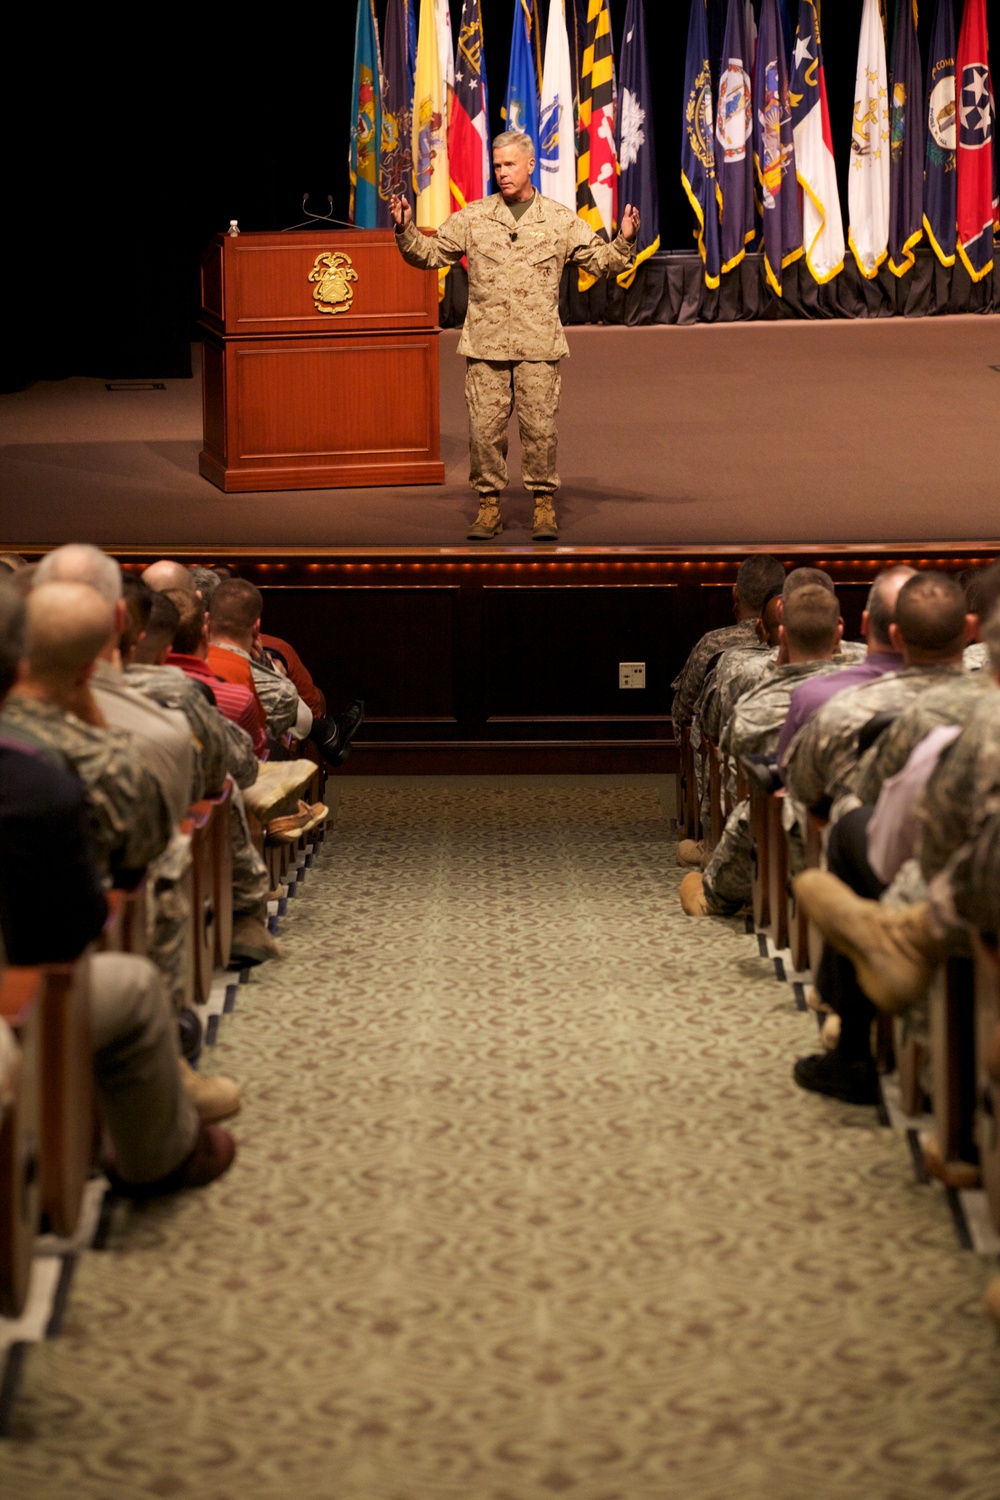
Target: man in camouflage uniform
[810, 632]
[516, 243]
[756, 578]
[930, 631]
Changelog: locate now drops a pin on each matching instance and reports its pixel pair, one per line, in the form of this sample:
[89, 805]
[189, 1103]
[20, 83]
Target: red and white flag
[822, 221]
[975, 143]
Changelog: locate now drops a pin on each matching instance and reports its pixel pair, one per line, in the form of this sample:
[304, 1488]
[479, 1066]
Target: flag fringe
[626, 278]
[710, 281]
[822, 278]
[868, 275]
[909, 259]
[946, 260]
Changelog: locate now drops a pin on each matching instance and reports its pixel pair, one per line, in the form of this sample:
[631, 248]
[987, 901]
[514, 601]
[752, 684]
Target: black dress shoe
[853, 1080]
[332, 737]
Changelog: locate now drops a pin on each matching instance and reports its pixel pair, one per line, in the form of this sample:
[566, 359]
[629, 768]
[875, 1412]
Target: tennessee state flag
[975, 143]
[597, 158]
[468, 128]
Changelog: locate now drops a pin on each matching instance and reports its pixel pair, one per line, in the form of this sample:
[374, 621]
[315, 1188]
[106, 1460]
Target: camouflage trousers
[250, 881]
[729, 876]
[492, 389]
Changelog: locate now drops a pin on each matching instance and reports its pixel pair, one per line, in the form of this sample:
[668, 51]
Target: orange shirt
[232, 667]
[297, 671]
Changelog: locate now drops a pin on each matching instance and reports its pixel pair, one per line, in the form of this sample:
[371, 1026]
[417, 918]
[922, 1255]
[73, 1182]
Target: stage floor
[708, 436]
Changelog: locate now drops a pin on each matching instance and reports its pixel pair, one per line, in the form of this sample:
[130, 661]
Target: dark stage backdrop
[127, 151]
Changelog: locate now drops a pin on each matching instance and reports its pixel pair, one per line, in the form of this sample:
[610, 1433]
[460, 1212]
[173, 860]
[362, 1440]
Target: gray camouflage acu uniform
[752, 730]
[822, 756]
[512, 338]
[736, 671]
[688, 683]
[226, 749]
[129, 816]
[950, 702]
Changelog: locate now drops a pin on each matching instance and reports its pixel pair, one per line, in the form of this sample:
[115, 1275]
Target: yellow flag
[430, 127]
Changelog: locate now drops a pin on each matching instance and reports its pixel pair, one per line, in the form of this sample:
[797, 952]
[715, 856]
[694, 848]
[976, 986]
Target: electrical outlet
[631, 674]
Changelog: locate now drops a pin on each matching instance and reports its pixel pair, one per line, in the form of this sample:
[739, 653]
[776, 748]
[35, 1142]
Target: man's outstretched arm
[595, 255]
[427, 251]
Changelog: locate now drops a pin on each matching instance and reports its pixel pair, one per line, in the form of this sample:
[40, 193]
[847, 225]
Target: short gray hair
[79, 562]
[515, 138]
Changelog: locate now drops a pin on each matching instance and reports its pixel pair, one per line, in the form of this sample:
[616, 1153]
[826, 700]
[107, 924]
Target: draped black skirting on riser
[671, 289]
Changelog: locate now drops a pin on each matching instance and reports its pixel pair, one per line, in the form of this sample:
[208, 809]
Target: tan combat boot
[487, 523]
[893, 950]
[543, 527]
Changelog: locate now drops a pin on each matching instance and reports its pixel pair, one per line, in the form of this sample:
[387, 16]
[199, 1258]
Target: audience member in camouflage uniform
[930, 630]
[756, 578]
[810, 632]
[53, 708]
[515, 243]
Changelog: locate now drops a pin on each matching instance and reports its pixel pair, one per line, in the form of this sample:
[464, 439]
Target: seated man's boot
[487, 523]
[544, 528]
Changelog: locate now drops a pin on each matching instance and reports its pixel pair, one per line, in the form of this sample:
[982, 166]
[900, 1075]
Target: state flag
[468, 128]
[429, 130]
[520, 110]
[597, 156]
[906, 127]
[556, 129]
[636, 150]
[446, 60]
[975, 143]
[774, 148]
[733, 134]
[366, 125]
[868, 188]
[822, 220]
[698, 144]
[940, 178]
[396, 160]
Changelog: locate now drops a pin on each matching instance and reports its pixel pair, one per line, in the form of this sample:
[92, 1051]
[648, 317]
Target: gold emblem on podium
[332, 274]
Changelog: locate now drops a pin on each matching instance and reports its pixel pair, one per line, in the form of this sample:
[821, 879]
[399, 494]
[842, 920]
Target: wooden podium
[320, 363]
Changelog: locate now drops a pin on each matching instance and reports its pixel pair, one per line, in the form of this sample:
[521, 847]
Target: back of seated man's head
[991, 635]
[79, 562]
[206, 581]
[12, 616]
[235, 609]
[158, 632]
[68, 624]
[755, 578]
[169, 575]
[806, 578]
[138, 603]
[189, 632]
[930, 617]
[770, 618]
[982, 591]
[811, 618]
[880, 606]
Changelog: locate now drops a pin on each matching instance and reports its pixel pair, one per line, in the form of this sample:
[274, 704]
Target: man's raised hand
[630, 222]
[401, 211]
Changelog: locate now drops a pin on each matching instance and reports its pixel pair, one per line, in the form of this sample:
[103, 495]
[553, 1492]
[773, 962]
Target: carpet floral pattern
[526, 1206]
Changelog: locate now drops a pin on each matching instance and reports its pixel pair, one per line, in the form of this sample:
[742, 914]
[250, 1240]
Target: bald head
[881, 606]
[79, 562]
[67, 626]
[164, 575]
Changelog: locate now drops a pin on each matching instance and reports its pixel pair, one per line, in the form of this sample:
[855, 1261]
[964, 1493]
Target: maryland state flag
[698, 143]
[429, 131]
[468, 128]
[396, 161]
[906, 164]
[366, 127]
[733, 132]
[940, 208]
[636, 152]
[868, 187]
[520, 111]
[975, 143]
[822, 221]
[556, 129]
[596, 157]
[774, 148]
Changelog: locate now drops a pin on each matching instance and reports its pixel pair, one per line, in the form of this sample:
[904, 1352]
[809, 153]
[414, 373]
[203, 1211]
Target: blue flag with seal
[698, 144]
[733, 130]
[774, 148]
[941, 154]
[520, 110]
[906, 158]
[366, 125]
[636, 151]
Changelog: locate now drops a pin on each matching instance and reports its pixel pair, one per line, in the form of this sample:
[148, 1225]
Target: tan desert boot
[488, 522]
[692, 854]
[543, 527]
[692, 894]
[214, 1098]
[892, 948]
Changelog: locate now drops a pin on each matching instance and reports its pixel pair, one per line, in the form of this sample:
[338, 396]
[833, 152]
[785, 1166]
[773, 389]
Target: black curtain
[128, 151]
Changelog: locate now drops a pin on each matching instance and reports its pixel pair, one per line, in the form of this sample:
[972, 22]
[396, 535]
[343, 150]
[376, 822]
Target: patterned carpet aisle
[527, 1206]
